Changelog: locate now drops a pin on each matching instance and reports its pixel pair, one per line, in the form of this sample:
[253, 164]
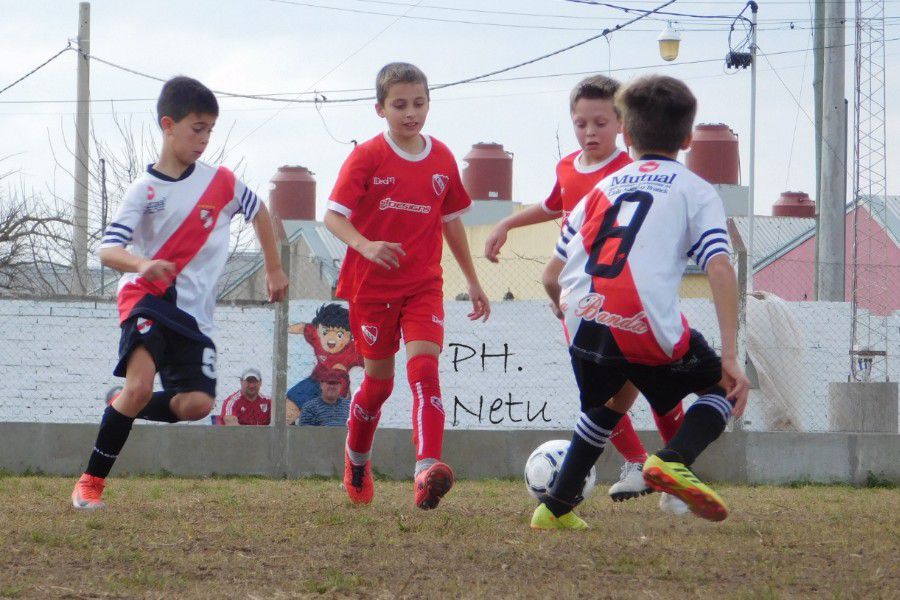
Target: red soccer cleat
[88, 492]
[432, 484]
[358, 481]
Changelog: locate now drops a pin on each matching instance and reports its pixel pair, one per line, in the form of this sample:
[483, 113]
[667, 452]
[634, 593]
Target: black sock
[703, 423]
[591, 434]
[114, 430]
[159, 408]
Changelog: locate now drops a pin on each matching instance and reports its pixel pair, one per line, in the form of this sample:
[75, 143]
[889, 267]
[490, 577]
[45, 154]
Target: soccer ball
[543, 465]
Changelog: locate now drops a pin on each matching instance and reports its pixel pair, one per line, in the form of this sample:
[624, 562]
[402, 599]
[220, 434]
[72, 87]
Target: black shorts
[664, 386]
[184, 364]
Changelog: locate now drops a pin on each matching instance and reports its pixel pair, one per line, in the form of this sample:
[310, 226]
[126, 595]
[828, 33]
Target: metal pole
[82, 154]
[818, 74]
[752, 180]
[830, 239]
[279, 447]
[103, 216]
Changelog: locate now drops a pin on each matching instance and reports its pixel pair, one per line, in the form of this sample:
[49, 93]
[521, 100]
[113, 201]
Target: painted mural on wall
[330, 348]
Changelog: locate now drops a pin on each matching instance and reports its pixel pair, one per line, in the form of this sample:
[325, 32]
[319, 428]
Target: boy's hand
[384, 254]
[556, 310]
[155, 270]
[481, 306]
[736, 385]
[276, 284]
[494, 242]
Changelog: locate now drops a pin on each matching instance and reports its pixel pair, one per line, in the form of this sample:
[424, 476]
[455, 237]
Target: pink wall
[791, 276]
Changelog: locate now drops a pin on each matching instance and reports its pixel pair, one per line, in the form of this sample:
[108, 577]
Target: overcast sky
[265, 47]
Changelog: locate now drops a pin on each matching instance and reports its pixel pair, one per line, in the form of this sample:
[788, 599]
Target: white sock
[357, 458]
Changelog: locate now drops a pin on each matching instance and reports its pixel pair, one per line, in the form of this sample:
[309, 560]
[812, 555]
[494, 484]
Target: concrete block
[876, 453]
[783, 457]
[866, 407]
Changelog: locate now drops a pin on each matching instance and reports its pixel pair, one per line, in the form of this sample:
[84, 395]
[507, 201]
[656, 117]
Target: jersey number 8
[612, 243]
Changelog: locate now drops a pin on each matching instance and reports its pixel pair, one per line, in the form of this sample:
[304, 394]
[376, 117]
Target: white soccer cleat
[631, 483]
[673, 505]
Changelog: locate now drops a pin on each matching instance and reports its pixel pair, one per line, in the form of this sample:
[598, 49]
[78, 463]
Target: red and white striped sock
[365, 411]
[428, 409]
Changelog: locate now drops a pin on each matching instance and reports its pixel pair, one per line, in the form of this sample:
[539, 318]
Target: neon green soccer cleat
[676, 479]
[543, 519]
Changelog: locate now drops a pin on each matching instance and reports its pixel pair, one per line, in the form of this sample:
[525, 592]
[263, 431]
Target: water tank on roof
[292, 195]
[487, 172]
[794, 204]
[714, 154]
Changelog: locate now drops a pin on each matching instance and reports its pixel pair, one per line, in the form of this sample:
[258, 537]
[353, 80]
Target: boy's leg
[422, 320]
[376, 333]
[667, 424]
[115, 427]
[596, 422]
[188, 378]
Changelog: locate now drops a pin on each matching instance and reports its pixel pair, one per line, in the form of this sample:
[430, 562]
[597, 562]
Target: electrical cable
[37, 68]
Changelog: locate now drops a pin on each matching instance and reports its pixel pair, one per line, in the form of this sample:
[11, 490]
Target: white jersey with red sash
[185, 221]
[626, 246]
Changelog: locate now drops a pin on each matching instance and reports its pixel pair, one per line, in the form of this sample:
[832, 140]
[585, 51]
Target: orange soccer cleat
[88, 492]
[358, 481]
[432, 484]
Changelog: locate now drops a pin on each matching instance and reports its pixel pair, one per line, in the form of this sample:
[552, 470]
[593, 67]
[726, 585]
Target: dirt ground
[257, 538]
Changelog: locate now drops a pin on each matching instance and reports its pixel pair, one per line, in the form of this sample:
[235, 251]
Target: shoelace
[357, 476]
[630, 467]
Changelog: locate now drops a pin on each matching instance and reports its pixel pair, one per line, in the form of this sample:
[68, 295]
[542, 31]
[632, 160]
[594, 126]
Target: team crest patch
[370, 332]
[264, 407]
[439, 183]
[144, 325]
[206, 217]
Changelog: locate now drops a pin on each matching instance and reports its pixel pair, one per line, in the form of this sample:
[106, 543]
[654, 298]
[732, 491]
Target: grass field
[257, 538]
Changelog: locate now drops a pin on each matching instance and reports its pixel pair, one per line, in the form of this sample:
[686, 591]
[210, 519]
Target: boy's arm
[276, 280]
[120, 259]
[551, 284]
[723, 282]
[455, 234]
[530, 216]
[384, 254]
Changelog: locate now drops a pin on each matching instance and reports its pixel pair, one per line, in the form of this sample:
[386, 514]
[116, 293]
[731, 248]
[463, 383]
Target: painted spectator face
[333, 339]
[331, 391]
[250, 387]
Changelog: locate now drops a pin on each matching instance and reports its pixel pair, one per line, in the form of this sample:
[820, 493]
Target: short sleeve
[120, 231]
[248, 201]
[351, 182]
[457, 200]
[570, 228]
[553, 203]
[707, 233]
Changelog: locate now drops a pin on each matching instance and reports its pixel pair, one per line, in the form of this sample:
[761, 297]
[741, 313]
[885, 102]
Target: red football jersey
[258, 412]
[574, 180]
[391, 195]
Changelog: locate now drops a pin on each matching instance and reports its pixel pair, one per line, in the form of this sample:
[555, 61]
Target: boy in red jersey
[170, 239]
[597, 123]
[397, 197]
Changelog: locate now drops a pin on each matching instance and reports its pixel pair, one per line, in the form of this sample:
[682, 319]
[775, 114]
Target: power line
[37, 68]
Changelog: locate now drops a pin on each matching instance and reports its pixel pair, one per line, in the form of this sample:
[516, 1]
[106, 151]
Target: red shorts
[376, 326]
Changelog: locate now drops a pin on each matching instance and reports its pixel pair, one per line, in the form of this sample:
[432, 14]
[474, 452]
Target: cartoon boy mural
[333, 349]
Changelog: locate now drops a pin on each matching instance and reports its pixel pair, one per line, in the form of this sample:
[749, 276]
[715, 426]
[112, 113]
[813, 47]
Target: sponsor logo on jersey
[144, 325]
[649, 166]
[151, 193]
[376, 180]
[659, 178]
[206, 216]
[436, 320]
[590, 308]
[388, 204]
[370, 332]
[439, 183]
[436, 402]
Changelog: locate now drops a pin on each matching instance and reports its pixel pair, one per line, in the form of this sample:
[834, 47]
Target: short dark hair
[332, 315]
[657, 112]
[181, 96]
[595, 87]
[398, 72]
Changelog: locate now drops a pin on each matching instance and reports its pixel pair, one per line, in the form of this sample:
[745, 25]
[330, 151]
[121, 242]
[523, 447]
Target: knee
[137, 390]
[193, 406]
[623, 400]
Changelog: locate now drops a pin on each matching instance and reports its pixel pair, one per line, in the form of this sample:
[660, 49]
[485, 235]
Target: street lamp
[669, 40]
